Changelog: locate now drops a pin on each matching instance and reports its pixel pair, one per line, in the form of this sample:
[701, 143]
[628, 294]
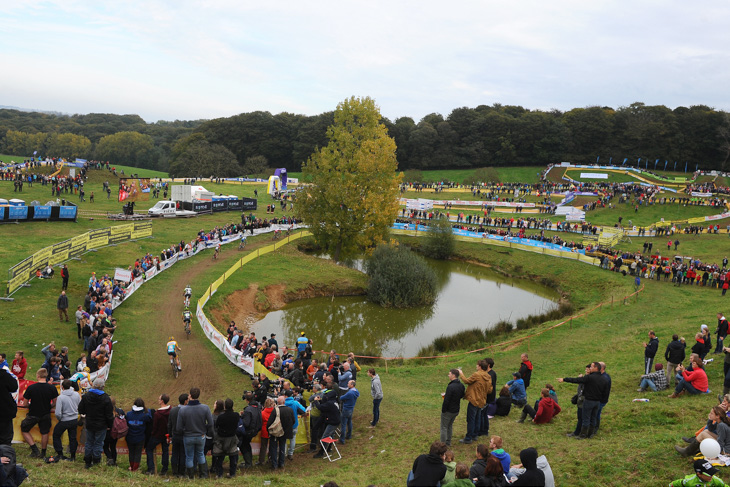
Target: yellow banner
[73, 247]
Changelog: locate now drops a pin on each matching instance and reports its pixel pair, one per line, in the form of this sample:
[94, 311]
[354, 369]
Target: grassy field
[291, 267]
[643, 433]
[143, 173]
[527, 174]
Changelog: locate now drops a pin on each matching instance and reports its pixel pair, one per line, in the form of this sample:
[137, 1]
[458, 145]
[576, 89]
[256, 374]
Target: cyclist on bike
[187, 316]
[172, 349]
[187, 294]
[217, 251]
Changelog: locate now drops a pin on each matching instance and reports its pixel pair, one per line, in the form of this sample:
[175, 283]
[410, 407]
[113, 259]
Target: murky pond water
[469, 296]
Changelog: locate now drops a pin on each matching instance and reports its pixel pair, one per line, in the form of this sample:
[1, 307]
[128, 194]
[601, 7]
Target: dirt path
[200, 364]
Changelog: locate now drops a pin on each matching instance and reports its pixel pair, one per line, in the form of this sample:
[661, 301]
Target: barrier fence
[60, 252]
[104, 372]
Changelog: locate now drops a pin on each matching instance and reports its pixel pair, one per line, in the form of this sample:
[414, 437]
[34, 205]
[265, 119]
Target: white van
[162, 208]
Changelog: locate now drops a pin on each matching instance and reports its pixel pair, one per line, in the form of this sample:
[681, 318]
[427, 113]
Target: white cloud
[191, 59]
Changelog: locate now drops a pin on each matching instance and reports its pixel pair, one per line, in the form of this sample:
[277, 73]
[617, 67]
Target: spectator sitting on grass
[656, 381]
[517, 390]
[504, 402]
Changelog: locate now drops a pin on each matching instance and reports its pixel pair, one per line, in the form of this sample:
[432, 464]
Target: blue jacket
[517, 389]
[349, 398]
[137, 421]
[297, 408]
[503, 458]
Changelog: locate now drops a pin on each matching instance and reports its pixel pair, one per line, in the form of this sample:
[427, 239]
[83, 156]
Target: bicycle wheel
[175, 370]
[187, 330]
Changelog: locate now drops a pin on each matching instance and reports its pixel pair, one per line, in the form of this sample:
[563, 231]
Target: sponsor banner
[17, 212]
[517, 240]
[234, 356]
[40, 258]
[150, 273]
[221, 205]
[41, 212]
[702, 195]
[123, 275]
[74, 247]
[67, 212]
[717, 217]
[416, 202]
[202, 206]
[249, 204]
[593, 175]
[235, 205]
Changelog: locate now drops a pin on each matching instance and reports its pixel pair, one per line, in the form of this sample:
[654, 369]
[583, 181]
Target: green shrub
[399, 278]
[439, 242]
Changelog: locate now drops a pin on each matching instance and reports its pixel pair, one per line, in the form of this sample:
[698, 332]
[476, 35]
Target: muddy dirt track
[201, 364]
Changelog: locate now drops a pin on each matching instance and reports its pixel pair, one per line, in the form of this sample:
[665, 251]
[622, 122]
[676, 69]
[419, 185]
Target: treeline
[120, 139]
[252, 143]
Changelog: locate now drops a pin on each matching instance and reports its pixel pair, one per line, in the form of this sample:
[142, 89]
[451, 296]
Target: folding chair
[333, 443]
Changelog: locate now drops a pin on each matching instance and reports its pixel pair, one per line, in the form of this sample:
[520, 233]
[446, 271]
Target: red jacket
[265, 413]
[546, 410]
[697, 378]
[19, 368]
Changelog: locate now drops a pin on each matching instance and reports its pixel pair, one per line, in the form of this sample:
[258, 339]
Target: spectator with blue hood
[517, 390]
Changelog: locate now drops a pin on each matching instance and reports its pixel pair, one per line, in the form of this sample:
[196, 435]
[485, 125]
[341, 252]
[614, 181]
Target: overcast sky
[167, 60]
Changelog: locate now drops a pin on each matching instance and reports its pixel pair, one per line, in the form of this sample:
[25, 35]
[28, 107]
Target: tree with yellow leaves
[353, 196]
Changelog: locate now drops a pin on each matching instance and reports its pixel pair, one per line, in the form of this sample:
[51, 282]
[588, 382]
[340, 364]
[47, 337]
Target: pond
[470, 296]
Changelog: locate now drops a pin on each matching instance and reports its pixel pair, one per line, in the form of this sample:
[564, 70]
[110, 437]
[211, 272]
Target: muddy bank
[247, 306]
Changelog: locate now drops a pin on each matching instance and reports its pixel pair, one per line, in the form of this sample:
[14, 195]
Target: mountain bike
[173, 363]
[187, 330]
[242, 243]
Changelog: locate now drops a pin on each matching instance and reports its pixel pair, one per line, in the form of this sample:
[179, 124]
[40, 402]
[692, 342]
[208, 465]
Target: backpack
[256, 421]
[119, 427]
[276, 429]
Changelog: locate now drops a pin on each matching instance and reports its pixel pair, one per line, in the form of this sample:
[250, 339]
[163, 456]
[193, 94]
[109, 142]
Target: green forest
[497, 135]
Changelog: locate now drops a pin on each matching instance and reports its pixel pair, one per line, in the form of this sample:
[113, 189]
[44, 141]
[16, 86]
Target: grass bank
[642, 433]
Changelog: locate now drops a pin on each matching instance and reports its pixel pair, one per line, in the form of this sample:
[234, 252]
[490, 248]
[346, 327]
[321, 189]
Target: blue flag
[655, 163]
[597, 157]
[675, 165]
[610, 159]
[647, 163]
[665, 164]
[625, 159]
[685, 166]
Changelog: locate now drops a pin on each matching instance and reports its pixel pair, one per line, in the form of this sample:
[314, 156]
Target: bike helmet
[172, 339]
[187, 308]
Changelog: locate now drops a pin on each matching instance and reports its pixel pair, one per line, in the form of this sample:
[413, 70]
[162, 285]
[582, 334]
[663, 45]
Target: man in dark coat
[533, 476]
[650, 349]
[62, 305]
[674, 355]
[451, 405]
[97, 406]
[277, 444]
[64, 276]
[8, 408]
[429, 470]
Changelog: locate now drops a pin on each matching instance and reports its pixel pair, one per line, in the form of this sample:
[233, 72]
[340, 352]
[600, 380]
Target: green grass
[7, 159]
[648, 215]
[302, 272]
[643, 434]
[143, 173]
[527, 174]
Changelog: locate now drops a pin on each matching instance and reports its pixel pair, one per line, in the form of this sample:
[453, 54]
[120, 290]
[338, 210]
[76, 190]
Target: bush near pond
[399, 278]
